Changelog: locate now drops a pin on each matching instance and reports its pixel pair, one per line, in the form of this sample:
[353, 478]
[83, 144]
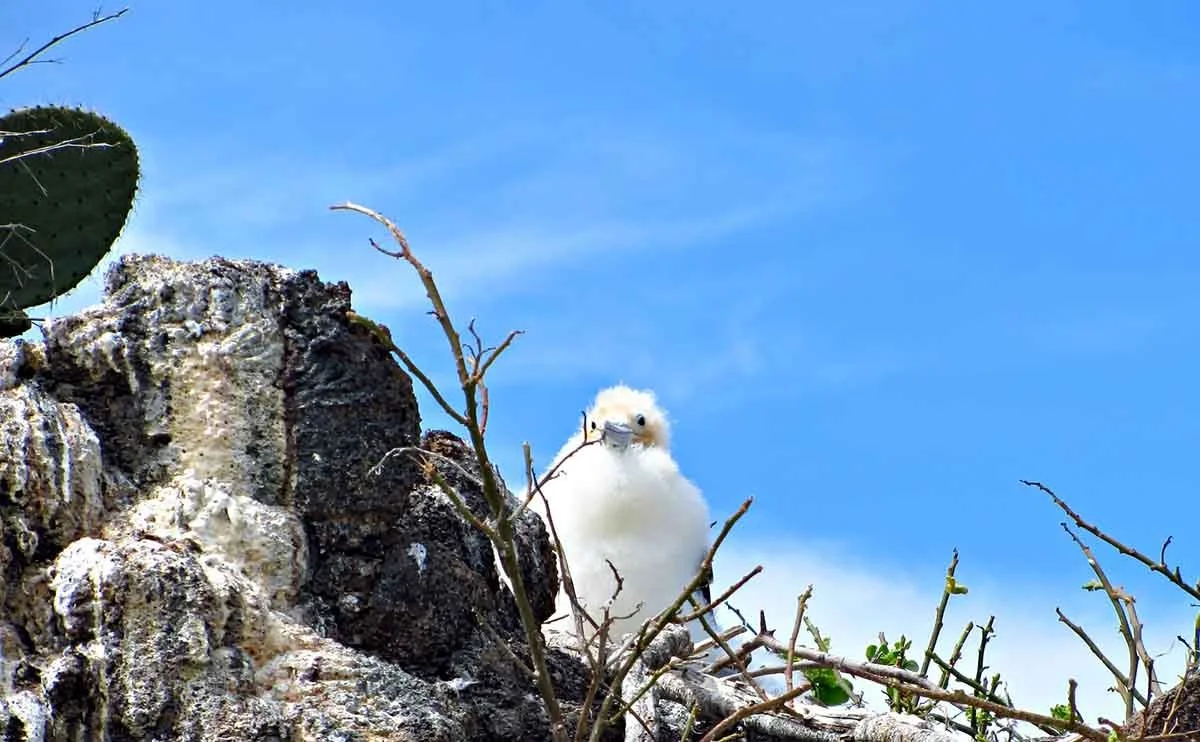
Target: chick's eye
[593, 425]
[641, 421]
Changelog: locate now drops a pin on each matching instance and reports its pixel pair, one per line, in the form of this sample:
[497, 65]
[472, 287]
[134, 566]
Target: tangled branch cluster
[637, 680]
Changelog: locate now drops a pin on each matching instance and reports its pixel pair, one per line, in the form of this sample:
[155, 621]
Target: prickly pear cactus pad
[67, 183]
[13, 322]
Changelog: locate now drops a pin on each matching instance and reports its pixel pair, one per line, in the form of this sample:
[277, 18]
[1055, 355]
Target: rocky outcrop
[199, 541]
[203, 538]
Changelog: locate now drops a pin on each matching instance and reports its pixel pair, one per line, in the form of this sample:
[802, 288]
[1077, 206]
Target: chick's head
[634, 408]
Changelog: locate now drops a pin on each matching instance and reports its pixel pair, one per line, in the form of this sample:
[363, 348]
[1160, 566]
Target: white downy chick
[624, 501]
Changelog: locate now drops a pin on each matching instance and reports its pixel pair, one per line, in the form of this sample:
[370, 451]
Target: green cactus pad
[67, 182]
[13, 322]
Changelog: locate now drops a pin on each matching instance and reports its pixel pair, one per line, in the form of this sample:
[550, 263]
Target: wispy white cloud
[486, 213]
[276, 188]
[1035, 654]
[503, 216]
[498, 262]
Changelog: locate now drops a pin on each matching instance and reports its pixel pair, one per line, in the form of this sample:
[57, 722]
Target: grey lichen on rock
[197, 545]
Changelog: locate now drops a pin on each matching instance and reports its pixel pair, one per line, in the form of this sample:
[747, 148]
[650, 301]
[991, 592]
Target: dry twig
[32, 57]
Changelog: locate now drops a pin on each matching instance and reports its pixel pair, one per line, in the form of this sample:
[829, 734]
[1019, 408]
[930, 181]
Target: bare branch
[1159, 567]
[735, 657]
[910, 682]
[491, 356]
[790, 656]
[32, 57]
[534, 486]
[1128, 687]
[1123, 683]
[501, 534]
[655, 626]
[956, 654]
[939, 616]
[79, 142]
[716, 602]
[985, 633]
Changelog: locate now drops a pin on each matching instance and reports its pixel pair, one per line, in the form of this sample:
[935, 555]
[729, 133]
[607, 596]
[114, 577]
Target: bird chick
[624, 501]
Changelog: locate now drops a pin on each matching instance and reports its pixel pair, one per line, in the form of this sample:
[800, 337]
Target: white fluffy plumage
[630, 506]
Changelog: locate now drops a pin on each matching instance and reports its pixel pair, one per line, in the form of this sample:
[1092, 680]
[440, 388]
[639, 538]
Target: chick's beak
[617, 435]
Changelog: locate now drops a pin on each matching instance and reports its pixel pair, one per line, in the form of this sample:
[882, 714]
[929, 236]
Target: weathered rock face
[198, 540]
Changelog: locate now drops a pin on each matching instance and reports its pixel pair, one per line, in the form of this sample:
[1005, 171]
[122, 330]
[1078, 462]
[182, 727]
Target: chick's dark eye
[641, 421]
[593, 425]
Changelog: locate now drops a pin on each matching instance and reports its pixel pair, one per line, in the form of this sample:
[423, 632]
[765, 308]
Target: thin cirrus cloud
[485, 214]
[273, 211]
[501, 261]
[599, 195]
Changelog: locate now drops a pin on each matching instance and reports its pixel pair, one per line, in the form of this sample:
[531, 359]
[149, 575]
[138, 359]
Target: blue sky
[879, 260]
